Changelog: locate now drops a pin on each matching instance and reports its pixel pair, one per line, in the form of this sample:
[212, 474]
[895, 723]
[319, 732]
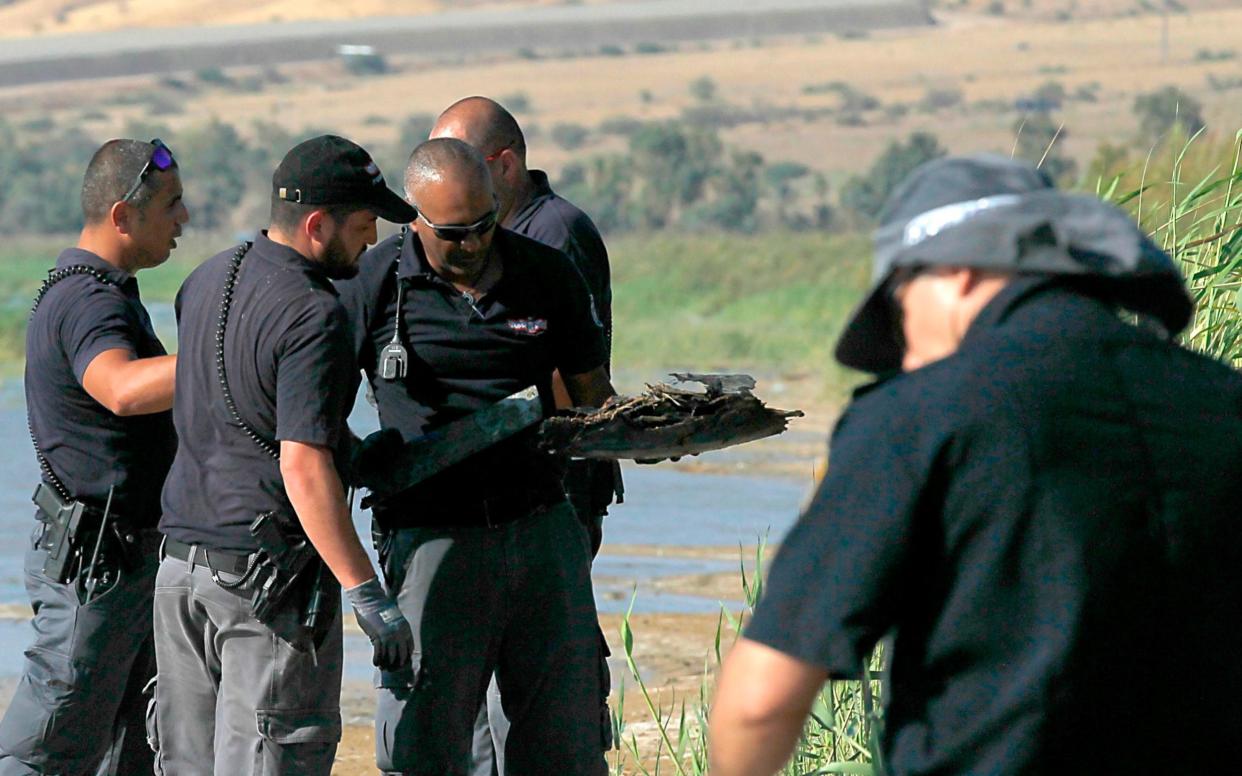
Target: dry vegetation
[987, 61]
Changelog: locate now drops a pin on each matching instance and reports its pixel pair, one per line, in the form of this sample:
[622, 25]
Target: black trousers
[514, 600]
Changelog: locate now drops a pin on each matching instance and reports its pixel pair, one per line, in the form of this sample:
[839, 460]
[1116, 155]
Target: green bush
[1167, 108]
[568, 135]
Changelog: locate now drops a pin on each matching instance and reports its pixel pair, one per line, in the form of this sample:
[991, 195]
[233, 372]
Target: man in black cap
[487, 556]
[528, 205]
[98, 389]
[249, 680]
[1040, 508]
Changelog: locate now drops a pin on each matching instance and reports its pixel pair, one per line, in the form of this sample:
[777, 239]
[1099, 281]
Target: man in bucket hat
[1037, 502]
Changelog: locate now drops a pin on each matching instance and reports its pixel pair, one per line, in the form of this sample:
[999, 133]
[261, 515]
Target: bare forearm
[589, 389]
[762, 700]
[149, 385]
[747, 747]
[315, 490]
[126, 385]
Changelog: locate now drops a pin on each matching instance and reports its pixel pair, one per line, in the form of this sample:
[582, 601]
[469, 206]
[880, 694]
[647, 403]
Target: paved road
[138, 52]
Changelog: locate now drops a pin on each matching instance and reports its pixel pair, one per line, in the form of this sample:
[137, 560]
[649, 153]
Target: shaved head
[484, 124]
[445, 160]
[111, 172]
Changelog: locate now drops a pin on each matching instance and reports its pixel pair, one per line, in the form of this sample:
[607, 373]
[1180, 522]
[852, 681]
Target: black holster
[72, 536]
[291, 575]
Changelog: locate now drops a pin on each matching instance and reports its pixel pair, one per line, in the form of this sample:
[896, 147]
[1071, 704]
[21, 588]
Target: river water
[663, 508]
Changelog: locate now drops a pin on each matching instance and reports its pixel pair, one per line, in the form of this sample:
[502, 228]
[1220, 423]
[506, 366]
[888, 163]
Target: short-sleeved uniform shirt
[88, 448]
[466, 354]
[1047, 522]
[552, 220]
[291, 372]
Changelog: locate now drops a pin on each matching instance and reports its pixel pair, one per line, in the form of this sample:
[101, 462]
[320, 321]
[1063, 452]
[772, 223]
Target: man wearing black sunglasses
[99, 386]
[487, 556]
[529, 206]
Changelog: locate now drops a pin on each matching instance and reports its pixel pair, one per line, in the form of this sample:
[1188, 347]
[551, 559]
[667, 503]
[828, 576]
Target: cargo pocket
[152, 725]
[296, 740]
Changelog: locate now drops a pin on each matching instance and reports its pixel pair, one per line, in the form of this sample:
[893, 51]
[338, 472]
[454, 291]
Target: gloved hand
[382, 621]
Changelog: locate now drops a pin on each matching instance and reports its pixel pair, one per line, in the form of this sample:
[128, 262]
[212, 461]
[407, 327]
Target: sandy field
[991, 61]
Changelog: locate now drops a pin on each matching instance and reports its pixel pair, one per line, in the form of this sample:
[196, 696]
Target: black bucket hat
[995, 213]
[330, 170]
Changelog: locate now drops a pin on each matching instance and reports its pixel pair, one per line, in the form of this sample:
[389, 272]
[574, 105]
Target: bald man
[528, 206]
[487, 557]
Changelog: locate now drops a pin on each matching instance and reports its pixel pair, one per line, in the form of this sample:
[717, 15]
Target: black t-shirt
[1047, 524]
[466, 355]
[291, 372]
[552, 220]
[90, 449]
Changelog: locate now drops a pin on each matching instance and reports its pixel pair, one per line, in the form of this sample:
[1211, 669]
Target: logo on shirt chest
[529, 327]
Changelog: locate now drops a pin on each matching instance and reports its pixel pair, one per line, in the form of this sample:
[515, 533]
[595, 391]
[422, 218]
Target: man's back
[1062, 495]
[1089, 527]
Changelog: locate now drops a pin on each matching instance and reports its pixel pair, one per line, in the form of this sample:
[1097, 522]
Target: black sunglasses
[161, 159]
[459, 232]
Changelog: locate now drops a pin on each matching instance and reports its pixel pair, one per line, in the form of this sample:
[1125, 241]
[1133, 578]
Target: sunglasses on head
[459, 232]
[161, 159]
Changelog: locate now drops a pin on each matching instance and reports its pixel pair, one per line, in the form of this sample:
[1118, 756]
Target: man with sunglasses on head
[99, 386]
[529, 206]
[1035, 506]
[250, 680]
[488, 559]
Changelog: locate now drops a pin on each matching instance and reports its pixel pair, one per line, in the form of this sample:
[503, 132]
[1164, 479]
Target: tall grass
[840, 737]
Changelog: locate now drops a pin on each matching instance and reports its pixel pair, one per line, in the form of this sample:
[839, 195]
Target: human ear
[121, 215]
[315, 226]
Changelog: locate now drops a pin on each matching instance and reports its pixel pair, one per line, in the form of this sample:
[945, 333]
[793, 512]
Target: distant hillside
[21, 18]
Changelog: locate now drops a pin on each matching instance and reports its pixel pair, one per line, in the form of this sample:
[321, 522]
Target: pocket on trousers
[296, 741]
[152, 725]
[298, 726]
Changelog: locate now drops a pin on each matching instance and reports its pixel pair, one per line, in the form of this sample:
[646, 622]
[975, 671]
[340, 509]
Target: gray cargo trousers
[233, 697]
[78, 708]
[513, 599]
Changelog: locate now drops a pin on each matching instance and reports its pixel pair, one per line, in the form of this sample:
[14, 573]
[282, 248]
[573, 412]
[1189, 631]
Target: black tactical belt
[216, 560]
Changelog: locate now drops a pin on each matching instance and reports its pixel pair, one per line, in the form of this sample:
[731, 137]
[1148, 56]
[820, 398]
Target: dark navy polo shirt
[1047, 523]
[90, 449]
[466, 355]
[551, 220]
[291, 371]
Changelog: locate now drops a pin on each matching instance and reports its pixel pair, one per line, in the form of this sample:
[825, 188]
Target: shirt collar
[413, 259]
[1015, 294]
[284, 256]
[71, 257]
[542, 190]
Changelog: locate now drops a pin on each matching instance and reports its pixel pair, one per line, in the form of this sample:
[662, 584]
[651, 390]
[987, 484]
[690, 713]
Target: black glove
[385, 626]
[370, 453]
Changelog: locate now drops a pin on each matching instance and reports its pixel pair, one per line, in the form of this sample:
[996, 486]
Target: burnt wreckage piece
[668, 421]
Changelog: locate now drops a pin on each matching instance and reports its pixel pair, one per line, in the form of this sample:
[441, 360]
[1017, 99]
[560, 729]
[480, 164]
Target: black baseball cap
[330, 170]
[994, 213]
